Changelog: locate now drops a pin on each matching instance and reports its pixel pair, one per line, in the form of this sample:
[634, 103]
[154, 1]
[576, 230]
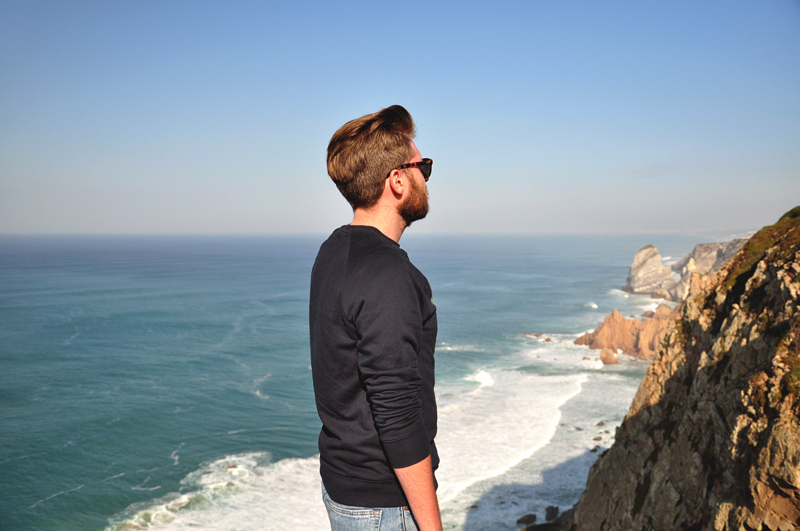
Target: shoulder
[377, 266]
[371, 251]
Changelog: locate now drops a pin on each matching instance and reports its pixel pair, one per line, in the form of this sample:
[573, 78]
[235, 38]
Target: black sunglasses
[425, 166]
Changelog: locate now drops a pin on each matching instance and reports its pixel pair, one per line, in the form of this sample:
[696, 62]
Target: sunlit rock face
[632, 336]
[712, 439]
[709, 257]
[648, 273]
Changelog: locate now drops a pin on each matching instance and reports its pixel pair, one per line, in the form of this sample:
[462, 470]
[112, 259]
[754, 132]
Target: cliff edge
[712, 439]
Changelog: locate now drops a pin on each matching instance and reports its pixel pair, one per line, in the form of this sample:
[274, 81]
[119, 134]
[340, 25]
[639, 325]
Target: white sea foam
[619, 293]
[238, 492]
[651, 307]
[590, 304]
[459, 348]
[555, 474]
[174, 456]
[79, 487]
[486, 433]
[564, 355]
[482, 377]
[483, 433]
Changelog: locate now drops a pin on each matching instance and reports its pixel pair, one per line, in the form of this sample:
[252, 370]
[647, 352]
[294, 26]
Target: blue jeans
[347, 518]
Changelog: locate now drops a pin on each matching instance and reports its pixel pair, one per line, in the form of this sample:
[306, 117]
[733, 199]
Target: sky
[541, 117]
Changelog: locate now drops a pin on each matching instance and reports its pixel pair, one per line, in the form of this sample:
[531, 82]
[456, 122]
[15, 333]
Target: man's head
[363, 152]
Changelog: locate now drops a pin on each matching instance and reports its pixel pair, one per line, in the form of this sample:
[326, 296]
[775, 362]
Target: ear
[397, 183]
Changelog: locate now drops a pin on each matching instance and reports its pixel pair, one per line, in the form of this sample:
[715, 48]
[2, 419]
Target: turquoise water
[164, 382]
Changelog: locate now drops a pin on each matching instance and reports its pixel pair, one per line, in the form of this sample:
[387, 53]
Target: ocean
[163, 382]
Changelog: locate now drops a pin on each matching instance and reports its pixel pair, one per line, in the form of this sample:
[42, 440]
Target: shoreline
[555, 474]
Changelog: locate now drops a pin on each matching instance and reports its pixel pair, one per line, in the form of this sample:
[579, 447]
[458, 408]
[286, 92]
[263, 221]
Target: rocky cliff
[712, 439]
[708, 257]
[648, 274]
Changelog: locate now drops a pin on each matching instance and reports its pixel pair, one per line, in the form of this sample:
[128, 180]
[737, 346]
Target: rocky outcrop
[710, 257]
[697, 269]
[609, 356]
[690, 284]
[648, 273]
[633, 337]
[712, 439]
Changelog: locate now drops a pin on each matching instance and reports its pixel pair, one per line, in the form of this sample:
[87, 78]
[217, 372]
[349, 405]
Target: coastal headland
[712, 438]
[648, 275]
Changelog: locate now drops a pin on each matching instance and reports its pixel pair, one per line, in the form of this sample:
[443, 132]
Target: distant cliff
[712, 439]
[648, 275]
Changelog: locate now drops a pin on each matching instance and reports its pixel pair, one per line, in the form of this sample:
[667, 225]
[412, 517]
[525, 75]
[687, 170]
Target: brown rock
[608, 356]
[633, 337]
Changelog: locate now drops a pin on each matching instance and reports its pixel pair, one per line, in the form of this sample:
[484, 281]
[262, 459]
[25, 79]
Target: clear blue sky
[201, 117]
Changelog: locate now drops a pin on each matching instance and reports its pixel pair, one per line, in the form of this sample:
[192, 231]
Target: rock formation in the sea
[712, 439]
[633, 337]
[648, 273]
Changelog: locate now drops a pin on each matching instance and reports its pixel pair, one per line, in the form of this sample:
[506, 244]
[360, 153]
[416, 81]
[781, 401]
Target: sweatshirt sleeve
[388, 319]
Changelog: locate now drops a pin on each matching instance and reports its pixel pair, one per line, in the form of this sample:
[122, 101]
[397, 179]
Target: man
[373, 331]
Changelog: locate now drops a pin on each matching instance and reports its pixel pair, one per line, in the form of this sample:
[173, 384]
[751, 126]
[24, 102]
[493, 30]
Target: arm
[417, 483]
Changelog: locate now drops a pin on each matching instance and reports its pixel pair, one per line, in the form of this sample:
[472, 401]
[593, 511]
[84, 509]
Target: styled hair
[363, 152]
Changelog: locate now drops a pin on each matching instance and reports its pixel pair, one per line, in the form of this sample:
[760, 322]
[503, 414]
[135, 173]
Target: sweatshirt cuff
[408, 450]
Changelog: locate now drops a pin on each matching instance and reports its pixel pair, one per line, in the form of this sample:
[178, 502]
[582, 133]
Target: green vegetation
[785, 234]
[792, 378]
[767, 320]
[792, 214]
[789, 352]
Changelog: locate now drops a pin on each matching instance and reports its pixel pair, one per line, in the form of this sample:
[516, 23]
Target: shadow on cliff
[501, 507]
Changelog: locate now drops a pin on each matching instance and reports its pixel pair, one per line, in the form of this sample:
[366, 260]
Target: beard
[415, 206]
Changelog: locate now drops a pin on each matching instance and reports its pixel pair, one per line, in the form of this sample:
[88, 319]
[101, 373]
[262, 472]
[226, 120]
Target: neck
[385, 219]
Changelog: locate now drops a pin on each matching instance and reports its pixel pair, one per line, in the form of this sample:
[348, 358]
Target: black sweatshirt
[373, 332]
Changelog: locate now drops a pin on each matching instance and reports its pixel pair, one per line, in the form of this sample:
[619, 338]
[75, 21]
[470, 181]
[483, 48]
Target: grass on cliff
[789, 350]
[785, 234]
